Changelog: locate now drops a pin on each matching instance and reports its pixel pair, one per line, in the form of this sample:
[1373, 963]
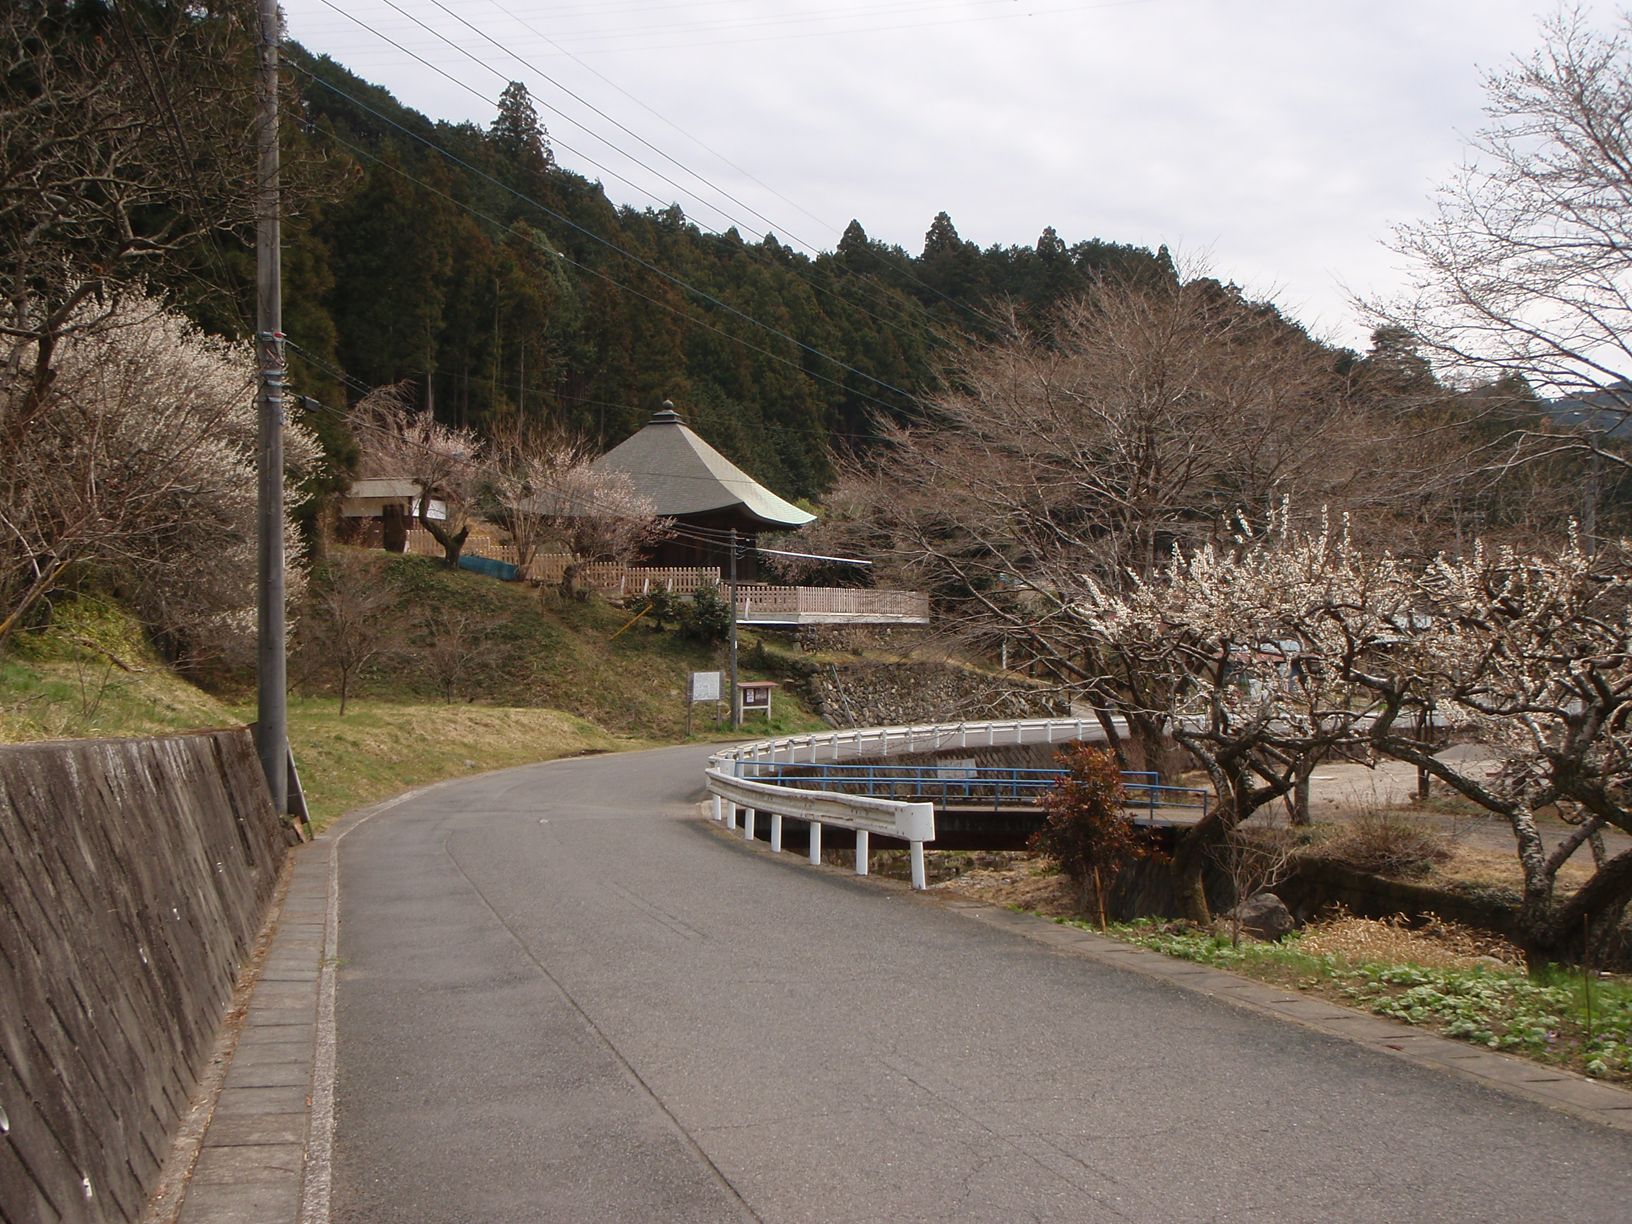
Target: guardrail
[733, 786]
[968, 784]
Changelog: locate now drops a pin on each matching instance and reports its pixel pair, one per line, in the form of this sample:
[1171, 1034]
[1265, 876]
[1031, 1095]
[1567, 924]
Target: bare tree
[1254, 859]
[123, 130]
[1524, 269]
[348, 623]
[439, 460]
[1151, 413]
[596, 517]
[526, 463]
[138, 466]
[453, 647]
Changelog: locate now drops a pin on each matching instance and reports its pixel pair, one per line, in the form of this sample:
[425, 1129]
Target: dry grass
[1435, 944]
[1027, 882]
[1385, 842]
[380, 748]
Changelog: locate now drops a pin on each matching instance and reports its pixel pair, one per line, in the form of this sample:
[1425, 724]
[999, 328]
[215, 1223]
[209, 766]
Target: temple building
[703, 492]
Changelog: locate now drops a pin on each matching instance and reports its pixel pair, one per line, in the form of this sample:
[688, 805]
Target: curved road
[563, 997]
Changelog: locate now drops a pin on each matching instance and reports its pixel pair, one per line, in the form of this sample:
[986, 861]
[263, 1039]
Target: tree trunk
[1189, 883]
[1550, 932]
[569, 581]
[1299, 808]
[453, 542]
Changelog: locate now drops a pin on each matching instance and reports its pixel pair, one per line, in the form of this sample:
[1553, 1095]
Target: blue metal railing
[1142, 789]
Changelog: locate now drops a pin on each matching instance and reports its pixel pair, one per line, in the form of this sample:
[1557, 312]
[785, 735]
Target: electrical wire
[690, 532]
[712, 186]
[576, 401]
[642, 263]
[556, 140]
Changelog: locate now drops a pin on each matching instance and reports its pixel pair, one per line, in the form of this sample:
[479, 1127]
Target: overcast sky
[1277, 139]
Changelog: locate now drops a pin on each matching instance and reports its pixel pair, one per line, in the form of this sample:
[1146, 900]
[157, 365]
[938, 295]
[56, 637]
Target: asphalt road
[561, 997]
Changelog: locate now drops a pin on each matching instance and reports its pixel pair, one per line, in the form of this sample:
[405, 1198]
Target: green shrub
[706, 618]
[661, 607]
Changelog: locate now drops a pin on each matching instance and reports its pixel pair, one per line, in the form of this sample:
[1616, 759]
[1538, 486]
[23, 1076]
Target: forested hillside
[468, 262]
[467, 267]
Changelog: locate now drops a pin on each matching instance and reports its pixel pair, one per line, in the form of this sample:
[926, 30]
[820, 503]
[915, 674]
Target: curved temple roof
[682, 474]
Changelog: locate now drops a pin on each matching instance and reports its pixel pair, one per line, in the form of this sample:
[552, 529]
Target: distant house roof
[681, 474]
[382, 486]
[368, 496]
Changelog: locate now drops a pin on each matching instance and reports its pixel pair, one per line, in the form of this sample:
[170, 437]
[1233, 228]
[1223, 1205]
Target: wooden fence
[485, 541]
[755, 601]
[133, 878]
[626, 580]
[817, 604]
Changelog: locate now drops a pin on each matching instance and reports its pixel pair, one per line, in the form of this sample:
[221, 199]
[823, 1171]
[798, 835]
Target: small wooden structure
[386, 505]
[754, 696]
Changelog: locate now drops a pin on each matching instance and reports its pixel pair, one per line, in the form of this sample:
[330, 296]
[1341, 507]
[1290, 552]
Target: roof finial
[666, 415]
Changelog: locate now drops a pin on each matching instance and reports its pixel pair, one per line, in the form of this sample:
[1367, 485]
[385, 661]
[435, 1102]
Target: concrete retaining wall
[134, 875]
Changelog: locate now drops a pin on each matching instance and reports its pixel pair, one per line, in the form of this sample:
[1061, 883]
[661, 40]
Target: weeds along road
[561, 997]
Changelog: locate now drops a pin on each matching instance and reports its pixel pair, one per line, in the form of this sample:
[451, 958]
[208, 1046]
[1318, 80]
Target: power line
[610, 245]
[654, 148]
[609, 144]
[782, 427]
[878, 259]
[473, 91]
[352, 419]
[703, 323]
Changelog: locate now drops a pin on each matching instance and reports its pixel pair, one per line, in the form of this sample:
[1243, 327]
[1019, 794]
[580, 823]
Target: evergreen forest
[468, 263]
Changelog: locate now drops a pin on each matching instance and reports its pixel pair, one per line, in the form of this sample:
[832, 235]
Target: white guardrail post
[913, 823]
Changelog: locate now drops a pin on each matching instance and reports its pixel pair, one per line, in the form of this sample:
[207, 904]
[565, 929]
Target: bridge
[995, 788]
[981, 807]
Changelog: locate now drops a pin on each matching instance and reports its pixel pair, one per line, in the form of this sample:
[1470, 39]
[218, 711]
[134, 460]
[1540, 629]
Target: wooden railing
[755, 600]
[625, 580]
[762, 601]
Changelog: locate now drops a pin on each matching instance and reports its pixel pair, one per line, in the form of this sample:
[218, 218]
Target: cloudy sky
[1276, 139]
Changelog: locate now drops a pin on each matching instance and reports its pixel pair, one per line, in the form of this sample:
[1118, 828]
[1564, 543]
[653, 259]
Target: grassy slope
[540, 651]
[549, 681]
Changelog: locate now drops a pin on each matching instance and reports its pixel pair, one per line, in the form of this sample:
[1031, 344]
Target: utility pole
[731, 594]
[272, 708]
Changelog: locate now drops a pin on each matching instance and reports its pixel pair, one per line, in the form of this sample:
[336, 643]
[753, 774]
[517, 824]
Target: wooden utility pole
[272, 708]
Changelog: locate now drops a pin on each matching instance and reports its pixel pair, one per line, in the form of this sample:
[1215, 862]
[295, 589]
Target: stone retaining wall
[134, 875]
[900, 694]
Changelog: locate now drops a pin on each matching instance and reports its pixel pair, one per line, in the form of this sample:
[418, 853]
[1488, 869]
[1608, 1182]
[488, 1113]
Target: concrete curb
[1552, 1087]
